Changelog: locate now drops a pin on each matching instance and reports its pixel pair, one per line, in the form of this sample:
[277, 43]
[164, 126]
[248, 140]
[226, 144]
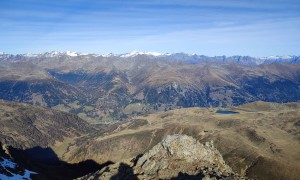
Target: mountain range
[143, 115]
[108, 88]
[191, 58]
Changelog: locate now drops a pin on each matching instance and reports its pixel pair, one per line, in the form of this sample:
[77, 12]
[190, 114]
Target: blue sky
[209, 27]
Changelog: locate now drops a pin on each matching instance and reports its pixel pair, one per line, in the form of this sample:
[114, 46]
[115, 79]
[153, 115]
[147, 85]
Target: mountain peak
[184, 148]
[107, 55]
[278, 57]
[178, 156]
[72, 53]
[135, 53]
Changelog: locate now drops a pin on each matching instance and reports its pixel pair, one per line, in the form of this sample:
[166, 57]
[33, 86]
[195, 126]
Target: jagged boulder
[175, 157]
[180, 153]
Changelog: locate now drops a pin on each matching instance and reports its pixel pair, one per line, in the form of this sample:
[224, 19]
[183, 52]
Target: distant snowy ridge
[136, 53]
[51, 54]
[190, 58]
[277, 57]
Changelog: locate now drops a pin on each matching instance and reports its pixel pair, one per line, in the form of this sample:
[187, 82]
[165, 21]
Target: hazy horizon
[162, 53]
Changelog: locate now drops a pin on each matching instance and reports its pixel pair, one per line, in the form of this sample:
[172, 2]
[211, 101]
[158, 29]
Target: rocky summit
[175, 157]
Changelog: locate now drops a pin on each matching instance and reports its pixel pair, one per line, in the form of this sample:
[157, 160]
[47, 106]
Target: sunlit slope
[261, 144]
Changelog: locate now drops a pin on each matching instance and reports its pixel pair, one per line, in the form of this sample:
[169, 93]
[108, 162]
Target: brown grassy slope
[259, 144]
[22, 71]
[151, 73]
[265, 106]
[111, 84]
[26, 126]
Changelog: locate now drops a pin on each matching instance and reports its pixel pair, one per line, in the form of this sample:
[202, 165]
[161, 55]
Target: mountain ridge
[192, 58]
[107, 89]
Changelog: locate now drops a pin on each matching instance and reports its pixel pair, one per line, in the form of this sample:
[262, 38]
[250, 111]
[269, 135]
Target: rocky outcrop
[175, 157]
[179, 153]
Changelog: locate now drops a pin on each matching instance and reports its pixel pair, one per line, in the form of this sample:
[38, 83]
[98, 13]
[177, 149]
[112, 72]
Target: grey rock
[175, 157]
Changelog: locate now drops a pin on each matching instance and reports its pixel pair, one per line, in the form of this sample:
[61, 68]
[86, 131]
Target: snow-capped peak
[131, 54]
[135, 53]
[278, 57]
[30, 55]
[57, 53]
[51, 54]
[108, 55]
[72, 53]
[154, 54]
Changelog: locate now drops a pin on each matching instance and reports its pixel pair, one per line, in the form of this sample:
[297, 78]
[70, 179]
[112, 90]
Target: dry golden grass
[260, 144]
[262, 141]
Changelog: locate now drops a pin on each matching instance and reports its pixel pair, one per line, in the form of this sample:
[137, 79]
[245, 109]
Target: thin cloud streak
[119, 26]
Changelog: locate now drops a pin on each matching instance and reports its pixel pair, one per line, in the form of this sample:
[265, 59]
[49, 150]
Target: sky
[208, 27]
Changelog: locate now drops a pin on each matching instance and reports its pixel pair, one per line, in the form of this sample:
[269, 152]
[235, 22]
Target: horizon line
[145, 53]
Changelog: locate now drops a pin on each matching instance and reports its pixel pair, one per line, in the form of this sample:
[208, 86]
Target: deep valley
[105, 89]
[149, 117]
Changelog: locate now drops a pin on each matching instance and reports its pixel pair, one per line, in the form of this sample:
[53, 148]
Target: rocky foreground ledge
[175, 157]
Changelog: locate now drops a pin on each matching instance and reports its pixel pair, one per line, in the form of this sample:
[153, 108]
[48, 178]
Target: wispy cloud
[259, 27]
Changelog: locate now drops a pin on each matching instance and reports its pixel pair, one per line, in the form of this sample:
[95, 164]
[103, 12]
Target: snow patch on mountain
[107, 55]
[72, 53]
[7, 166]
[278, 57]
[31, 55]
[189, 58]
[51, 54]
[135, 53]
